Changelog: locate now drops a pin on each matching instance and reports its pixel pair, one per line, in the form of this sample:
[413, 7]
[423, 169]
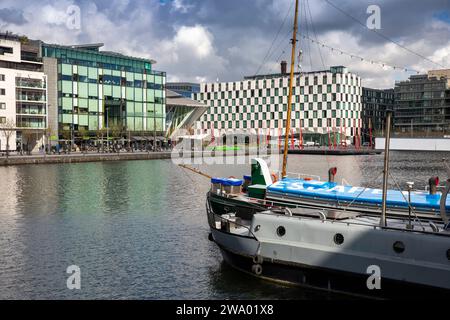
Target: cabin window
[338, 239]
[399, 247]
[281, 231]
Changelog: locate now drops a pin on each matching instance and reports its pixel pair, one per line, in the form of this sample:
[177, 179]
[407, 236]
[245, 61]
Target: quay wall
[414, 144]
[98, 157]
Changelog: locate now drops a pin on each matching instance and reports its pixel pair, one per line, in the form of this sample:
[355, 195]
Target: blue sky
[206, 40]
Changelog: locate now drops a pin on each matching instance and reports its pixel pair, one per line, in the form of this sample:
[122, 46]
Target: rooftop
[333, 69]
[175, 99]
[95, 49]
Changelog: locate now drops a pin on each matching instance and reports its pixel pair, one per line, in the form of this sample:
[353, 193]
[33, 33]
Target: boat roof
[335, 192]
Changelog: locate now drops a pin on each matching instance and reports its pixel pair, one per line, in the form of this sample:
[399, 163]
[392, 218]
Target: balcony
[36, 98]
[31, 84]
[30, 123]
[31, 110]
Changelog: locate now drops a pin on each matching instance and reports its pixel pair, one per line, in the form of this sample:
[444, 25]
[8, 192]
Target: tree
[116, 132]
[67, 136]
[48, 132]
[7, 129]
[101, 133]
[82, 133]
[28, 136]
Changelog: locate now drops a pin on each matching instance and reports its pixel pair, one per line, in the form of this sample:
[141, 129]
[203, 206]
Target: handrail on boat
[272, 202]
[210, 211]
[300, 175]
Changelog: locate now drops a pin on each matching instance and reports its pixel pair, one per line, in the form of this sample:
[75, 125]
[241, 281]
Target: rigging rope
[274, 40]
[409, 204]
[382, 35]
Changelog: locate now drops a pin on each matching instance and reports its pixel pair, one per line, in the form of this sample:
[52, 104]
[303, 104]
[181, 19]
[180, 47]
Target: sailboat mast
[291, 82]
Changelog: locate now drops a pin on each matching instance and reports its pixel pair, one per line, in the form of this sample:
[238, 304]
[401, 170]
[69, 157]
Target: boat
[375, 243]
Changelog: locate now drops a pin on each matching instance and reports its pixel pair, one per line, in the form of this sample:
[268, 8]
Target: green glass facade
[98, 90]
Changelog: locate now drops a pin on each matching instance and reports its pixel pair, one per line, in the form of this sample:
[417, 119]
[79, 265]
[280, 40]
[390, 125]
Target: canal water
[138, 229]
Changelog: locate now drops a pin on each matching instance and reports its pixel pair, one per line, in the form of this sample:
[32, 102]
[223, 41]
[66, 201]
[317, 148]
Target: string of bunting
[354, 56]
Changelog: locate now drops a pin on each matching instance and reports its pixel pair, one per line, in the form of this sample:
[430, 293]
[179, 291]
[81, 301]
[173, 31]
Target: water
[138, 229]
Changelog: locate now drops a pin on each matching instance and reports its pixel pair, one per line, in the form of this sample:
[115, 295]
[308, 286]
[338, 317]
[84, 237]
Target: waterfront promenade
[80, 157]
[77, 157]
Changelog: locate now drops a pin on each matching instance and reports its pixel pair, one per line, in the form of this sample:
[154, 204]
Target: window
[4, 50]
[2, 77]
[2, 106]
[2, 92]
[2, 120]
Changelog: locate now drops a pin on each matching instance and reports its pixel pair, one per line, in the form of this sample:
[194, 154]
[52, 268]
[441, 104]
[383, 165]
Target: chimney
[283, 67]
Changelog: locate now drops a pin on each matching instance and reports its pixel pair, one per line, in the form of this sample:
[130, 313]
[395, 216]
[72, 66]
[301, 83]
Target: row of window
[328, 123]
[280, 100]
[278, 115]
[156, 100]
[112, 80]
[276, 92]
[99, 60]
[279, 107]
[347, 79]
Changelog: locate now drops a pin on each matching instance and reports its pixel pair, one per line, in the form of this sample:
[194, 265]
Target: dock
[78, 157]
[335, 151]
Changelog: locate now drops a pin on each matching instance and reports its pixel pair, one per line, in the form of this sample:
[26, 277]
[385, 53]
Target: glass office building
[95, 90]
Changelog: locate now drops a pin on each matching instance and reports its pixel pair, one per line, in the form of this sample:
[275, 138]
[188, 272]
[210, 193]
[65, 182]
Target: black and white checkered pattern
[322, 101]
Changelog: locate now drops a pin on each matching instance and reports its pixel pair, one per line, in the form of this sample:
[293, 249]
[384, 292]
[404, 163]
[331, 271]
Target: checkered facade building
[322, 102]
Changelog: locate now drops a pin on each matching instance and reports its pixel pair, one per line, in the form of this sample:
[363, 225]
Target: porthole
[399, 247]
[448, 254]
[281, 231]
[257, 228]
[338, 239]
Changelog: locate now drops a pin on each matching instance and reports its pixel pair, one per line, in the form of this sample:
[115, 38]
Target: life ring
[274, 177]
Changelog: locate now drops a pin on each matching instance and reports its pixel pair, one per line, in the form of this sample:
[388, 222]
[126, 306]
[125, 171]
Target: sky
[215, 40]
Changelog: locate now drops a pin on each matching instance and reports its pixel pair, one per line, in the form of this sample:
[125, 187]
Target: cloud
[181, 6]
[12, 16]
[197, 40]
[191, 55]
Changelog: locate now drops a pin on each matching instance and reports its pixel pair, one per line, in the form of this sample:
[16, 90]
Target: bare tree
[101, 133]
[48, 132]
[116, 133]
[67, 136]
[82, 132]
[7, 129]
[28, 135]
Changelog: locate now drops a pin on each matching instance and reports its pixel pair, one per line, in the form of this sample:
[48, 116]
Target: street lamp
[107, 128]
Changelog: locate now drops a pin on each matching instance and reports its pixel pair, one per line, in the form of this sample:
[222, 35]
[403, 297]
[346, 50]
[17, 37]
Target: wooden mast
[291, 83]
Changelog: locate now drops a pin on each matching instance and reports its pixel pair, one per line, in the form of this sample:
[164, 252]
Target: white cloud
[181, 6]
[191, 54]
[195, 39]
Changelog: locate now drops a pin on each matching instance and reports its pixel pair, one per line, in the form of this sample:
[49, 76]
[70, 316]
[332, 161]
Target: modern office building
[23, 94]
[186, 89]
[323, 102]
[92, 90]
[422, 104]
[374, 106]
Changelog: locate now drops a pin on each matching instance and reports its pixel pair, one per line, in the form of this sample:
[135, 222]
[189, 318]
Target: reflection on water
[138, 229]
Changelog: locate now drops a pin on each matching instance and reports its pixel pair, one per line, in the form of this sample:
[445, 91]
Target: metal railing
[212, 220]
[291, 205]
